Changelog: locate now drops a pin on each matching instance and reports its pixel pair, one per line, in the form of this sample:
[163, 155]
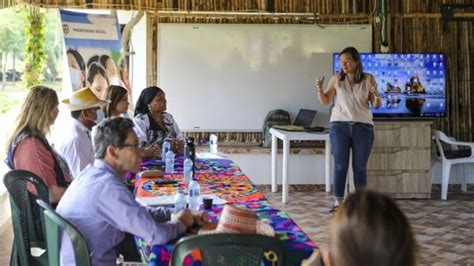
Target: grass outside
[13, 93]
[6, 102]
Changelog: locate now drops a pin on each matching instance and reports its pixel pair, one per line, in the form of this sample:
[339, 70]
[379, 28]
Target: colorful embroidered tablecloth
[221, 176]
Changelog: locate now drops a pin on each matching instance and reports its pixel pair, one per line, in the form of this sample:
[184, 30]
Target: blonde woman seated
[369, 229]
[27, 146]
[153, 124]
[118, 97]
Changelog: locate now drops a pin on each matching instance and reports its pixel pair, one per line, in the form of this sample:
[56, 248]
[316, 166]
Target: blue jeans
[359, 137]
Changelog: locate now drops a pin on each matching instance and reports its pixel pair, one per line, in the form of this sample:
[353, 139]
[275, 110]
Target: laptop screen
[304, 118]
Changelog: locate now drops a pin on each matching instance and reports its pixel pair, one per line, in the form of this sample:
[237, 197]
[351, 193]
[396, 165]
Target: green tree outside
[13, 40]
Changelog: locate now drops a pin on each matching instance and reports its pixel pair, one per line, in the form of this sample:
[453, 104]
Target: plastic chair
[449, 157]
[231, 249]
[26, 229]
[54, 225]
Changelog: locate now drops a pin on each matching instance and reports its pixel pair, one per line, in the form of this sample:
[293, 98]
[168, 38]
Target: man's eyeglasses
[134, 146]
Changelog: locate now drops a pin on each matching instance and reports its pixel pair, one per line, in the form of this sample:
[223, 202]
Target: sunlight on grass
[7, 102]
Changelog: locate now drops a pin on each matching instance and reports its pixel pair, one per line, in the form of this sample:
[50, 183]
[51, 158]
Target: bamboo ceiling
[412, 26]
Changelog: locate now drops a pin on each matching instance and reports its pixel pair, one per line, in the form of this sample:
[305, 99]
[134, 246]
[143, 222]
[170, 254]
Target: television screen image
[411, 85]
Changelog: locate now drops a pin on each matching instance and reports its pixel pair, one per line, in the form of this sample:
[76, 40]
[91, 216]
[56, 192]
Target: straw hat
[83, 99]
[237, 220]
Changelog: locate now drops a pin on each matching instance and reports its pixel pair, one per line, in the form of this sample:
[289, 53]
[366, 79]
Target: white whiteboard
[227, 77]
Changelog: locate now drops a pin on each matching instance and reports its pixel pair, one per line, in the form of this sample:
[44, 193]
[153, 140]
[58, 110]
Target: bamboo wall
[412, 26]
[416, 26]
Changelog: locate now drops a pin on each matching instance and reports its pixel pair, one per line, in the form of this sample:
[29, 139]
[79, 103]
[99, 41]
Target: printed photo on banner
[94, 52]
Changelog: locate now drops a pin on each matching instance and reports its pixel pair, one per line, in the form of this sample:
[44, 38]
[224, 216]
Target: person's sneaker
[333, 210]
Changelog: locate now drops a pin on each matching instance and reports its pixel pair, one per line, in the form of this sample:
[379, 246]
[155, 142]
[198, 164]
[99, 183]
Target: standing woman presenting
[353, 92]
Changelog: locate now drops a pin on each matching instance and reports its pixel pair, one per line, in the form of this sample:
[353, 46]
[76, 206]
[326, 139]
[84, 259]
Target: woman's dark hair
[103, 60]
[93, 59]
[369, 229]
[146, 96]
[359, 73]
[78, 57]
[94, 69]
[114, 94]
[111, 131]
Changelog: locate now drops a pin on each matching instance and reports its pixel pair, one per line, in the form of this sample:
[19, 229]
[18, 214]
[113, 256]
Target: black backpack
[275, 117]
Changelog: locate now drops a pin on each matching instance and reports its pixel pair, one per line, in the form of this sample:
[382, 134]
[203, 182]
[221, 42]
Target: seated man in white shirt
[77, 148]
[105, 211]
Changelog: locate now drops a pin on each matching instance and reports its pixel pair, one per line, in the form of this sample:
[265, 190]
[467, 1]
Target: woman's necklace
[159, 119]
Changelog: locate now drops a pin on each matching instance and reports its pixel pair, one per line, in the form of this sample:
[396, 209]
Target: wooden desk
[286, 137]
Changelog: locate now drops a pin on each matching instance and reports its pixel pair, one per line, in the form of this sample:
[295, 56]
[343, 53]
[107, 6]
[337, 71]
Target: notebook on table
[302, 122]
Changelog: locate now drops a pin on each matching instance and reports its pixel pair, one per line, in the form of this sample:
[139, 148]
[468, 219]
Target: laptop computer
[302, 122]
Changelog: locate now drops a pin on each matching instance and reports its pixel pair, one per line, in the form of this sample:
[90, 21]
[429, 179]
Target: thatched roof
[149, 5]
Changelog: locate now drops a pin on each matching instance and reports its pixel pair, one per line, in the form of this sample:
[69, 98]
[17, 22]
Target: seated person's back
[369, 229]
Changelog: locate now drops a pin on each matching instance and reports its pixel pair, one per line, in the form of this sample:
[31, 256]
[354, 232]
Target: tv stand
[400, 162]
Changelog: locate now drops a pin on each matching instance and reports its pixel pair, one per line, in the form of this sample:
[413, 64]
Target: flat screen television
[411, 85]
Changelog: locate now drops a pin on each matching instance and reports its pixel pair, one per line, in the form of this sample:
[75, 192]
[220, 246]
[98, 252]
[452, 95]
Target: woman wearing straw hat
[153, 124]
[27, 147]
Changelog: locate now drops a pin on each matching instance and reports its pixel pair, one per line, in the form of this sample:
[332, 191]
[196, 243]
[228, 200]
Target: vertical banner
[94, 52]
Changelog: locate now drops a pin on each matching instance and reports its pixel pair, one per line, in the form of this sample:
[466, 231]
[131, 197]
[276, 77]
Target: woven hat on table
[237, 220]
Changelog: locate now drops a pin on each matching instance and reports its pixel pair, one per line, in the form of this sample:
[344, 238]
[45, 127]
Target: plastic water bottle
[213, 143]
[194, 195]
[165, 148]
[169, 162]
[190, 149]
[179, 201]
[188, 170]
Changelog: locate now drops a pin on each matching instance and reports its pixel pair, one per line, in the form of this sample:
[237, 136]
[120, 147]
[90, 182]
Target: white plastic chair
[451, 157]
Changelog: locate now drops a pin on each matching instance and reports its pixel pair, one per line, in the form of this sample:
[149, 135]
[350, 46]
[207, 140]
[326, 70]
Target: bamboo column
[151, 49]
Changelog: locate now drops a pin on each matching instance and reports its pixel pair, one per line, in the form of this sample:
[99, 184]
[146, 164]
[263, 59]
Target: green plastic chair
[231, 249]
[27, 234]
[54, 225]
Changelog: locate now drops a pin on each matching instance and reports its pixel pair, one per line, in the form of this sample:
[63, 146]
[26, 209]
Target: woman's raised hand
[319, 83]
[373, 88]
